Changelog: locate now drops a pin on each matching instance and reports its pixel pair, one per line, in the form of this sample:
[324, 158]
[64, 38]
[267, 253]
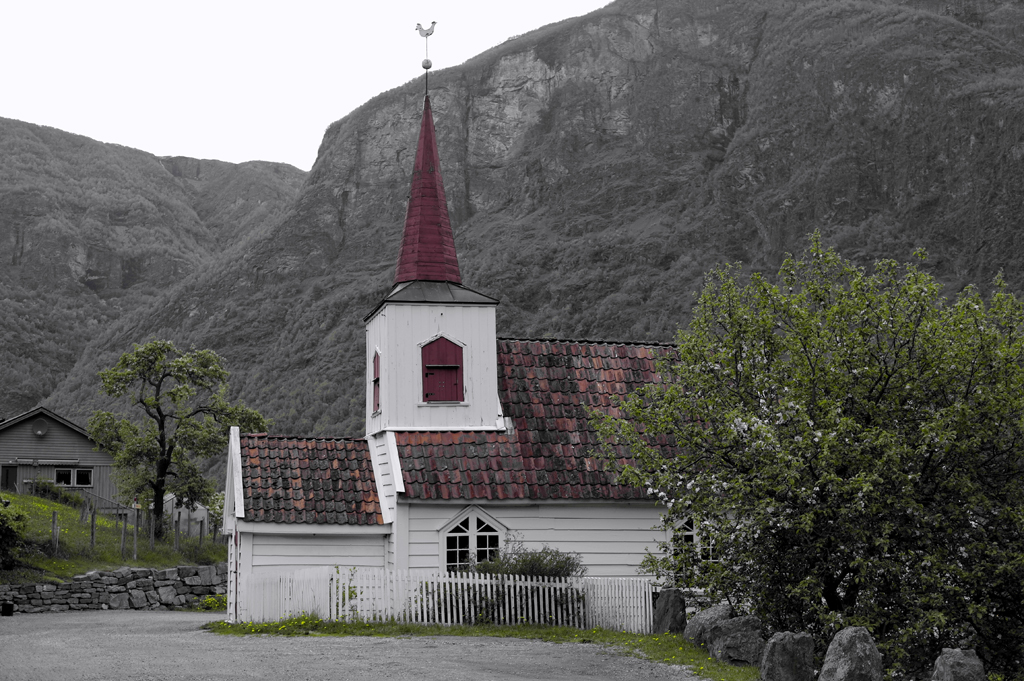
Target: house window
[73, 477]
[703, 544]
[442, 371]
[376, 382]
[471, 541]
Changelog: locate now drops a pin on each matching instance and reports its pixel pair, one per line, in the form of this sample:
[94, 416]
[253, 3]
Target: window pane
[62, 476]
[83, 477]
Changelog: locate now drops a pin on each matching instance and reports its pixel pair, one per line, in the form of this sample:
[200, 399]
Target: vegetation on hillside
[91, 230]
[850, 456]
[595, 169]
[35, 561]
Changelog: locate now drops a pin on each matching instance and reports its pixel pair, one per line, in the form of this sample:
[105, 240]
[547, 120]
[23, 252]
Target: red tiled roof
[428, 247]
[315, 480]
[553, 451]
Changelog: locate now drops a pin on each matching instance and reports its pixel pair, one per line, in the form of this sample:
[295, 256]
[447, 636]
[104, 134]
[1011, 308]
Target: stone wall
[122, 589]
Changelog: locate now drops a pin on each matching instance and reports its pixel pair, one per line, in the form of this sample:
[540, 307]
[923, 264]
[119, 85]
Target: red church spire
[428, 247]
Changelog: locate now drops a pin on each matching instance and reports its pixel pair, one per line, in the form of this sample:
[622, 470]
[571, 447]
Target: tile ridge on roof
[303, 437]
[580, 341]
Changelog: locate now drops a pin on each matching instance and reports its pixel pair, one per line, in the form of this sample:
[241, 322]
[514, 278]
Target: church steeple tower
[428, 247]
[431, 352]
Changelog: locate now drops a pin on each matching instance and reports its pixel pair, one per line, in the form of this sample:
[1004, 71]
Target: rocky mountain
[92, 231]
[597, 167]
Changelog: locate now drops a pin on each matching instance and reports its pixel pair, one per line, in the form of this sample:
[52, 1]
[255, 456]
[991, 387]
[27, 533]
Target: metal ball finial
[427, 64]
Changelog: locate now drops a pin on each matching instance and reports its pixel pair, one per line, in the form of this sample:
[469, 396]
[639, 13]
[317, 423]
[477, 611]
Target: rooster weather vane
[425, 33]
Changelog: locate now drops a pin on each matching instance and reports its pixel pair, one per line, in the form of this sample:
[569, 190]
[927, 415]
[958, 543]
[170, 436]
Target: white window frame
[473, 513]
[74, 476]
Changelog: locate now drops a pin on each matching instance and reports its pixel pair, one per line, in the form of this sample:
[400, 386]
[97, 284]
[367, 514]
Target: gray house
[40, 445]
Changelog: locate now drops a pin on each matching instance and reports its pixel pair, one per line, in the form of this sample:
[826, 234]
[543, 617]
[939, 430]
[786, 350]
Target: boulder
[699, 626]
[670, 612]
[852, 656]
[119, 601]
[737, 640]
[955, 664]
[788, 657]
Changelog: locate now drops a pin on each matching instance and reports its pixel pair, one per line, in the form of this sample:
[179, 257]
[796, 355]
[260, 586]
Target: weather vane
[426, 33]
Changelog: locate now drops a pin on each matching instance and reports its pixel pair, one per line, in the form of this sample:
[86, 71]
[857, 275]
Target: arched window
[442, 371]
[472, 540]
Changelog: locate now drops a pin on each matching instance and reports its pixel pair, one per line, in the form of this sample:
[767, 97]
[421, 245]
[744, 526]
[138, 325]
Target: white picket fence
[334, 593]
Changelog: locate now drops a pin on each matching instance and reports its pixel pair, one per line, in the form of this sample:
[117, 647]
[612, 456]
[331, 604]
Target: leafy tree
[850, 455]
[183, 415]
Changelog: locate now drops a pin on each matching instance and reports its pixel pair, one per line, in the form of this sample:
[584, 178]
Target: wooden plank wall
[283, 552]
[612, 538]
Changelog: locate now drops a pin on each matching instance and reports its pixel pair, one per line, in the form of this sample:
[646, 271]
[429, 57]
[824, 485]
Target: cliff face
[596, 168]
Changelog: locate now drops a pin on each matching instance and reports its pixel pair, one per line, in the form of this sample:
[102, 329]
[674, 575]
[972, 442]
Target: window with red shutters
[376, 382]
[442, 371]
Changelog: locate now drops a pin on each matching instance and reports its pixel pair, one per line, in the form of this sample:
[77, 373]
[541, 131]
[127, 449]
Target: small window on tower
[376, 382]
[442, 371]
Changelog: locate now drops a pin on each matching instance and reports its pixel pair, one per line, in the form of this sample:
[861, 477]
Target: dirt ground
[170, 646]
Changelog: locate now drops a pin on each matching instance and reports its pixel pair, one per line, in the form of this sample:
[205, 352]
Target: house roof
[308, 480]
[553, 451]
[42, 411]
[432, 292]
[428, 246]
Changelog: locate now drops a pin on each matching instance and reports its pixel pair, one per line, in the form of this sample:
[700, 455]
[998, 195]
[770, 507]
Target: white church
[470, 438]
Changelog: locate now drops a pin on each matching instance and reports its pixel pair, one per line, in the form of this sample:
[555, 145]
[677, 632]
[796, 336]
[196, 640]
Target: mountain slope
[597, 167]
[91, 231]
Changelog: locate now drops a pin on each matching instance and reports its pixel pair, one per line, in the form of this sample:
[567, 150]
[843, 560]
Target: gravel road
[170, 646]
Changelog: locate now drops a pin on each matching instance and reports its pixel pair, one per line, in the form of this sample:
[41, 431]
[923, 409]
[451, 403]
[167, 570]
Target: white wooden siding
[611, 538]
[398, 331]
[383, 475]
[278, 552]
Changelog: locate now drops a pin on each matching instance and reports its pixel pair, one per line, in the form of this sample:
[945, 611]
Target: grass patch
[664, 648]
[75, 556]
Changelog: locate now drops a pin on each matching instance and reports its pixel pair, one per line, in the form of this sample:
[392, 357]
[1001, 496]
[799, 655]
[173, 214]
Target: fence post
[152, 528]
[54, 533]
[202, 531]
[124, 529]
[135, 534]
[92, 529]
[177, 530]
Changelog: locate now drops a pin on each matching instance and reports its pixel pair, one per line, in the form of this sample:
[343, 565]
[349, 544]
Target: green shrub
[44, 489]
[515, 559]
[12, 526]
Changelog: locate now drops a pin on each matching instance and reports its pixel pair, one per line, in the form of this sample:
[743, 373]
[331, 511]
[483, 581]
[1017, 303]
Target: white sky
[231, 80]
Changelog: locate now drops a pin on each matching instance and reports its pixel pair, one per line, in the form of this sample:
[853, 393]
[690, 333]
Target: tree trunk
[158, 507]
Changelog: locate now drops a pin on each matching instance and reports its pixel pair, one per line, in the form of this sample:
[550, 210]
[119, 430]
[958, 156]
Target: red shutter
[442, 371]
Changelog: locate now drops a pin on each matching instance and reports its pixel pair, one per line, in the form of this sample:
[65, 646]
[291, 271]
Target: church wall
[612, 538]
[284, 553]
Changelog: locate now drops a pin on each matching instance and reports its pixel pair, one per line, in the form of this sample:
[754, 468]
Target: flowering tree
[851, 454]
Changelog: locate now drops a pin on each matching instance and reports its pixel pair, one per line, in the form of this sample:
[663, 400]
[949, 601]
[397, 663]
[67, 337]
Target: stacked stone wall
[123, 589]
